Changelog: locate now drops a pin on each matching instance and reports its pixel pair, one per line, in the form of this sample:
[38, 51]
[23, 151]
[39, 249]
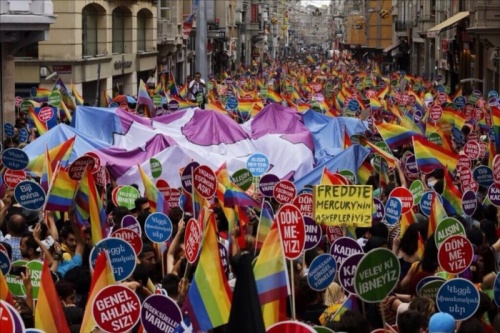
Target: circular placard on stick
[458, 297]
[455, 254]
[322, 272]
[284, 192]
[292, 230]
[192, 240]
[205, 181]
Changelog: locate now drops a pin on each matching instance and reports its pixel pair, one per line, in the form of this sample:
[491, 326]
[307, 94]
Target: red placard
[370, 93]
[292, 229]
[442, 97]
[304, 203]
[116, 309]
[101, 177]
[290, 327]
[472, 149]
[478, 114]
[333, 233]
[496, 170]
[175, 195]
[463, 162]
[466, 179]
[45, 114]
[192, 240]
[469, 110]
[205, 181]
[6, 317]
[13, 177]
[472, 136]
[455, 254]
[77, 168]
[164, 188]
[284, 192]
[113, 195]
[97, 161]
[131, 237]
[436, 112]
[405, 196]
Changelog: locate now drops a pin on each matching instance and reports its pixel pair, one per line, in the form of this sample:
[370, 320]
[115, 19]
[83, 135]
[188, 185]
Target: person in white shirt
[196, 87]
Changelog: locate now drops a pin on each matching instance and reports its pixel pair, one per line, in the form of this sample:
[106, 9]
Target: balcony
[167, 32]
[403, 26]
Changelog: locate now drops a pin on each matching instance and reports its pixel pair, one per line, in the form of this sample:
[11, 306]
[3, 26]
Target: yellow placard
[343, 205]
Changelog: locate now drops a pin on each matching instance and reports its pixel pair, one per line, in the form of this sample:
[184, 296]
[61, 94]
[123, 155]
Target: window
[141, 31]
[255, 13]
[165, 9]
[89, 31]
[118, 31]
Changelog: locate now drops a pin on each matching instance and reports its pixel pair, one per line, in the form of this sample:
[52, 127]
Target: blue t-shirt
[65, 266]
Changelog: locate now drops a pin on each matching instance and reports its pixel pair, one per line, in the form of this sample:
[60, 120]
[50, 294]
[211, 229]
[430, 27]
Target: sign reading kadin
[292, 230]
[192, 240]
[205, 181]
[343, 204]
[313, 233]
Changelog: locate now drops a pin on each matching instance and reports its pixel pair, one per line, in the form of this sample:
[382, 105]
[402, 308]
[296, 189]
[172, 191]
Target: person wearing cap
[441, 322]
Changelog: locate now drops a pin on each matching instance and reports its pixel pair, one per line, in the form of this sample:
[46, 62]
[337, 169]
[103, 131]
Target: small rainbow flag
[60, 153]
[452, 196]
[407, 219]
[155, 197]
[47, 172]
[437, 215]
[495, 122]
[329, 178]
[430, 156]
[364, 172]
[143, 98]
[41, 128]
[395, 135]
[5, 294]
[61, 192]
[351, 303]
[76, 95]
[42, 95]
[265, 223]
[273, 96]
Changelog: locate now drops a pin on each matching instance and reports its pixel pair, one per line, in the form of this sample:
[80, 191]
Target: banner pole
[293, 290]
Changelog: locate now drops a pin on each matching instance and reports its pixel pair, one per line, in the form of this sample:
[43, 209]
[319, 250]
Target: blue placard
[426, 202]
[491, 134]
[305, 190]
[459, 102]
[393, 209]
[441, 88]
[29, 195]
[483, 175]
[492, 94]
[258, 164]
[113, 105]
[158, 227]
[458, 297]
[457, 135]
[4, 263]
[496, 290]
[426, 280]
[51, 123]
[121, 255]
[353, 105]
[321, 272]
[23, 135]
[9, 130]
[33, 91]
[15, 159]
[231, 103]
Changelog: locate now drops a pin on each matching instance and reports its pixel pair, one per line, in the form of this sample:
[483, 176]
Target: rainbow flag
[65, 96]
[144, 99]
[495, 122]
[420, 247]
[102, 277]
[273, 96]
[265, 223]
[453, 117]
[271, 277]
[395, 135]
[76, 95]
[452, 196]
[47, 172]
[329, 178]
[42, 128]
[172, 87]
[61, 192]
[60, 153]
[389, 158]
[235, 196]
[209, 294]
[347, 140]
[155, 197]
[222, 180]
[106, 100]
[5, 294]
[351, 303]
[42, 95]
[407, 219]
[364, 172]
[375, 104]
[437, 215]
[430, 156]
[183, 104]
[183, 91]
[310, 59]
[49, 314]
[491, 153]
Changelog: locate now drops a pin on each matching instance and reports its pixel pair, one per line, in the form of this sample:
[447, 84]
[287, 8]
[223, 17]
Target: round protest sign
[130, 222]
[131, 237]
[55, 98]
[347, 271]
[321, 329]
[455, 254]
[116, 309]
[304, 203]
[406, 198]
[417, 190]
[446, 228]
[14, 282]
[426, 202]
[187, 176]
[77, 168]
[13, 177]
[6, 317]
[292, 230]
[469, 203]
[192, 240]
[458, 297]
[126, 195]
[160, 314]
[430, 289]
[393, 208]
[173, 105]
[23, 135]
[496, 169]
[290, 327]
[349, 175]
[15, 159]
[158, 227]
[333, 233]
[156, 168]
[175, 195]
[205, 181]
[113, 195]
[4, 263]
[9, 130]
[164, 188]
[35, 267]
[267, 183]
[321, 272]
[121, 255]
[377, 275]
[258, 164]
[101, 177]
[426, 280]
[435, 138]
[231, 103]
[496, 290]
[45, 114]
[494, 195]
[313, 233]
[379, 210]
[466, 179]
[343, 248]
[471, 149]
[463, 162]
[436, 112]
[243, 178]
[97, 161]
[284, 192]
[29, 195]
[224, 257]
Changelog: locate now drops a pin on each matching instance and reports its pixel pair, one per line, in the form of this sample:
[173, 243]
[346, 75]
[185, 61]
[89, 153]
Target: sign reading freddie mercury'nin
[343, 205]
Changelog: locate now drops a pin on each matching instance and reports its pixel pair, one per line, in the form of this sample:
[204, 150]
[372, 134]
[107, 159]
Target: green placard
[430, 289]
[15, 283]
[199, 99]
[126, 196]
[289, 89]
[157, 100]
[417, 189]
[210, 85]
[377, 163]
[446, 228]
[26, 105]
[55, 98]
[349, 175]
[35, 268]
[263, 92]
[435, 138]
[156, 168]
[377, 275]
[243, 178]
[321, 329]
[382, 145]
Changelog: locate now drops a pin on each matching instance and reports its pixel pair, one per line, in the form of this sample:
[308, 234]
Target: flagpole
[293, 290]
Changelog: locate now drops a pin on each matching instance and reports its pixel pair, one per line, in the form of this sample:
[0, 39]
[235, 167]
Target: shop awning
[434, 31]
[393, 45]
